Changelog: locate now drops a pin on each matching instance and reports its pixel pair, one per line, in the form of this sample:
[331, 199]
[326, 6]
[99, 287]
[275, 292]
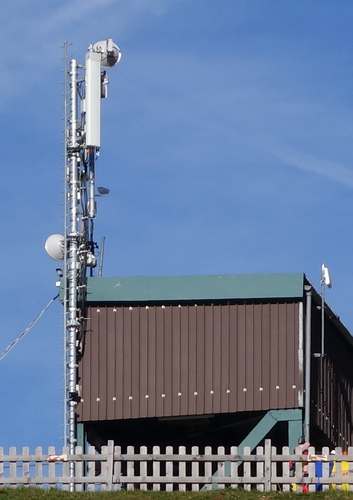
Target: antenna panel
[93, 99]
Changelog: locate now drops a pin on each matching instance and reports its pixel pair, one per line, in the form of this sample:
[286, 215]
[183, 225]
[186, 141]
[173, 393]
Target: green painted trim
[211, 287]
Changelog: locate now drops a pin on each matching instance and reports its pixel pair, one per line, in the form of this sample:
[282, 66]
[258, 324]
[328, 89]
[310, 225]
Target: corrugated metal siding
[332, 386]
[189, 360]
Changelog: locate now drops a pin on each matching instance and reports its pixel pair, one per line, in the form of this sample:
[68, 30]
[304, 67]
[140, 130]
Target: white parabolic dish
[55, 246]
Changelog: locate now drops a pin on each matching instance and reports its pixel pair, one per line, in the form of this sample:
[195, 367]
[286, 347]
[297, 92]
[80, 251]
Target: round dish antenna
[55, 246]
[102, 191]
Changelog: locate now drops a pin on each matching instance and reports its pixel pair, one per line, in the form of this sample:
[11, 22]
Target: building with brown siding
[207, 359]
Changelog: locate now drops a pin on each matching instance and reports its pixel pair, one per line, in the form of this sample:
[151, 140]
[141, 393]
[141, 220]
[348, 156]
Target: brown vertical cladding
[332, 383]
[170, 360]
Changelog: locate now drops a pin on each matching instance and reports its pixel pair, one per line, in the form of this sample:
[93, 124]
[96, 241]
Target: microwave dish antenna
[55, 246]
[102, 191]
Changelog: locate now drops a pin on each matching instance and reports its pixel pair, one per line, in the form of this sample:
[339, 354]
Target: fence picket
[38, 466]
[273, 469]
[285, 470]
[13, 465]
[109, 468]
[234, 466]
[117, 469]
[104, 471]
[25, 464]
[311, 469]
[220, 451]
[51, 466]
[169, 469]
[65, 470]
[195, 469]
[260, 469]
[338, 466]
[143, 468]
[247, 469]
[298, 467]
[182, 467]
[78, 470]
[267, 464]
[130, 469]
[156, 468]
[325, 467]
[208, 467]
[91, 470]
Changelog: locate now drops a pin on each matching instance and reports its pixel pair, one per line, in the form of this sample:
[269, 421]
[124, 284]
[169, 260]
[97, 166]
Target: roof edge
[195, 287]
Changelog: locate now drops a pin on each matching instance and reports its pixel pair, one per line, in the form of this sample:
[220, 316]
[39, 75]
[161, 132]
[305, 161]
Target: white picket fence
[178, 469]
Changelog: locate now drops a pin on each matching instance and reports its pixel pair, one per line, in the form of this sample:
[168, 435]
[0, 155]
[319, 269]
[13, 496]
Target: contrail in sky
[325, 168]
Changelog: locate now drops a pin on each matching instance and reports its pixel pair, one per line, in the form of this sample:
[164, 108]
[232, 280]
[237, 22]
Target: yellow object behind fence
[344, 471]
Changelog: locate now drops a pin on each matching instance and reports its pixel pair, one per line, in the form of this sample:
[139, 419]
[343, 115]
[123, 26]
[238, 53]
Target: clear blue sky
[227, 146]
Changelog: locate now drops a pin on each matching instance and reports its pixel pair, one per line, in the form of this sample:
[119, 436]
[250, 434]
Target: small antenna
[101, 258]
[326, 276]
[326, 282]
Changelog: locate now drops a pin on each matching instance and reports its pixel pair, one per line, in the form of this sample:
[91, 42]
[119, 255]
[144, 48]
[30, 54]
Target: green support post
[81, 436]
[295, 432]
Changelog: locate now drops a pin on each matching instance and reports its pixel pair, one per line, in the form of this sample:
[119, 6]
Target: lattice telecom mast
[86, 86]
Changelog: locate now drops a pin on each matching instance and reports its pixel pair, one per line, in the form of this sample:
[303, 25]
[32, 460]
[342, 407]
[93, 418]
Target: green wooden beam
[264, 426]
[268, 421]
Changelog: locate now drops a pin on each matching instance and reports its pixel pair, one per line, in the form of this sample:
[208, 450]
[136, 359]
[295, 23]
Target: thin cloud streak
[324, 168]
[43, 31]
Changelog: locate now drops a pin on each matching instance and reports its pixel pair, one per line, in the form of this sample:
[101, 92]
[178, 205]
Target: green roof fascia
[186, 288]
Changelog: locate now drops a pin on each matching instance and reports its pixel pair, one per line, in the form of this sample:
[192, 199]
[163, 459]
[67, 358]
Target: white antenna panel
[55, 246]
[325, 276]
[93, 99]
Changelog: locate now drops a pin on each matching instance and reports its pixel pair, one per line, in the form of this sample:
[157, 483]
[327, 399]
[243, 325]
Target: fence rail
[179, 468]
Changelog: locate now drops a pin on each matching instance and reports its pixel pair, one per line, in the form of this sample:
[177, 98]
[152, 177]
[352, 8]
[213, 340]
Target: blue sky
[227, 146]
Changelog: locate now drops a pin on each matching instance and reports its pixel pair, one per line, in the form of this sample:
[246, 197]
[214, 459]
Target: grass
[228, 494]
